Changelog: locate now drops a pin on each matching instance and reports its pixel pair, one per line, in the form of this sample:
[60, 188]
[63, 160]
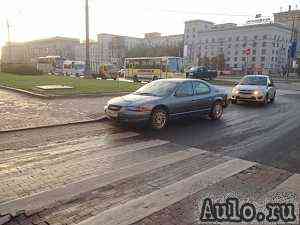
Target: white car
[254, 88]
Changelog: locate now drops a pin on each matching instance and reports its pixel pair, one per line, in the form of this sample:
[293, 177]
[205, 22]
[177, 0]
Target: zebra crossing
[124, 178]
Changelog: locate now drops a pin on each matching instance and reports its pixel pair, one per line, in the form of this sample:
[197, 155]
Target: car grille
[114, 107]
[246, 92]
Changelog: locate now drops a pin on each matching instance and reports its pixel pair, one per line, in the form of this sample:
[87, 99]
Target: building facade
[290, 18]
[80, 54]
[268, 44]
[157, 40]
[28, 52]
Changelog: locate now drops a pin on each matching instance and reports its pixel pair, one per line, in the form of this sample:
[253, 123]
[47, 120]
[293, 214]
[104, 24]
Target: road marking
[142, 207]
[40, 201]
[292, 184]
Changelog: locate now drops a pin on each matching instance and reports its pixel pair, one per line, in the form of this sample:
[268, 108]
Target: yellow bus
[153, 68]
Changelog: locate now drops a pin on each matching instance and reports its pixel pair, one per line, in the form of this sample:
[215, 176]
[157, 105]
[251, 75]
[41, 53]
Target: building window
[228, 59]
[235, 65]
[194, 29]
[274, 45]
[272, 59]
[213, 40]
[236, 45]
[206, 41]
[235, 59]
[243, 59]
[262, 58]
[237, 38]
[264, 44]
[254, 44]
[255, 37]
[230, 39]
[265, 37]
[194, 36]
[254, 52]
[236, 53]
[263, 51]
[253, 59]
[229, 53]
[275, 37]
[229, 46]
[244, 45]
[245, 38]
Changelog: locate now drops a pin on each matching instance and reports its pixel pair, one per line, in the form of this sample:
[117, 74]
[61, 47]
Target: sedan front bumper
[127, 116]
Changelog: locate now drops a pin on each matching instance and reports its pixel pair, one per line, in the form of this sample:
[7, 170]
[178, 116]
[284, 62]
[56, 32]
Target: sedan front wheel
[159, 119]
[217, 111]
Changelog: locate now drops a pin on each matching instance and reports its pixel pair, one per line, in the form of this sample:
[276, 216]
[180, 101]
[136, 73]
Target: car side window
[185, 89]
[200, 88]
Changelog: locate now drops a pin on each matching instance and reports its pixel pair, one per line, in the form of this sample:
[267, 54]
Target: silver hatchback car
[254, 88]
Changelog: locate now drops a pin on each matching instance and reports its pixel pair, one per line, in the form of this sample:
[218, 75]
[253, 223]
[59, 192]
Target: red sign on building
[248, 51]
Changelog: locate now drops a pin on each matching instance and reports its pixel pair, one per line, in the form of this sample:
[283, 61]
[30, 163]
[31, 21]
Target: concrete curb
[100, 119]
[42, 96]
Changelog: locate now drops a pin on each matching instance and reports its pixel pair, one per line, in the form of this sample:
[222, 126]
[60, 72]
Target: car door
[202, 99]
[183, 99]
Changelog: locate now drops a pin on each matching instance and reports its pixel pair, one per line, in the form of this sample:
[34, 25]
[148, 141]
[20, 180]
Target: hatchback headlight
[257, 93]
[235, 91]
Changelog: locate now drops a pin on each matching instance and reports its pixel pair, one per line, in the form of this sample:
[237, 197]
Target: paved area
[19, 111]
[114, 175]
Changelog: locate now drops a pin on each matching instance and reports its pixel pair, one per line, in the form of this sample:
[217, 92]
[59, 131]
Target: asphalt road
[266, 134]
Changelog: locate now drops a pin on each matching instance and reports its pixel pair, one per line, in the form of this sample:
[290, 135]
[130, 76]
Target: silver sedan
[159, 101]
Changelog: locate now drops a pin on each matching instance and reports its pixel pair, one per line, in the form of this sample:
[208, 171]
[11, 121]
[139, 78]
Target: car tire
[266, 100]
[159, 119]
[272, 100]
[217, 111]
[233, 101]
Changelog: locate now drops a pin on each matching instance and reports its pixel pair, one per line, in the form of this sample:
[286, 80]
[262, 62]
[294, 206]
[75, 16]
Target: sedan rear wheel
[159, 119]
[217, 111]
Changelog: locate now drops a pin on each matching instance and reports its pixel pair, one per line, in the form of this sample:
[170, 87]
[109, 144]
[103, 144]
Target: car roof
[255, 75]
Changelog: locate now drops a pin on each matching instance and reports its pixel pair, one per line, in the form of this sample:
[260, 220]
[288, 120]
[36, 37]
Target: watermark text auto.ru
[233, 211]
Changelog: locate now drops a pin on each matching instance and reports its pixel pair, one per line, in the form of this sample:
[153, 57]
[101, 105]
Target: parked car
[162, 100]
[202, 72]
[254, 88]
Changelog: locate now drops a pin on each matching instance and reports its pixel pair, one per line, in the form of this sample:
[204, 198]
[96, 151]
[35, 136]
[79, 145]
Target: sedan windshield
[254, 80]
[157, 88]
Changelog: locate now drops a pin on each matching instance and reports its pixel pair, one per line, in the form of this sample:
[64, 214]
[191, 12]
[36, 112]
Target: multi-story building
[157, 40]
[290, 18]
[80, 54]
[268, 44]
[27, 52]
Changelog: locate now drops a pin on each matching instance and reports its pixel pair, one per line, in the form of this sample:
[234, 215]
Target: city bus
[152, 68]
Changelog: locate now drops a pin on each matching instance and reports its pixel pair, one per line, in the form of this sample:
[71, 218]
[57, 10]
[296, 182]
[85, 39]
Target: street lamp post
[87, 39]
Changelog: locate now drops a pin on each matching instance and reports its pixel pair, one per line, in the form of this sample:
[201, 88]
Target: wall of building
[268, 44]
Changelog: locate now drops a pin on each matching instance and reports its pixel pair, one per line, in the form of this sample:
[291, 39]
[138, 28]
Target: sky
[35, 19]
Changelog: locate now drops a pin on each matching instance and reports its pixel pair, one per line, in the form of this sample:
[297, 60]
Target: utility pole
[87, 39]
[291, 46]
[8, 41]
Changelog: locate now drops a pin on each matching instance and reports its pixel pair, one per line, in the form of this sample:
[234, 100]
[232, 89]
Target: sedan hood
[133, 100]
[250, 87]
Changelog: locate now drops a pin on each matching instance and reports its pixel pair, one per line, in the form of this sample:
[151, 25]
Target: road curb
[49, 97]
[100, 119]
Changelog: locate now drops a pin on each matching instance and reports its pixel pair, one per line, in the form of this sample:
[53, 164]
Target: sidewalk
[19, 111]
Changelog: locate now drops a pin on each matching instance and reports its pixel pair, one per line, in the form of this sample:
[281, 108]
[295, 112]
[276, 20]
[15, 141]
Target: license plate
[112, 113]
